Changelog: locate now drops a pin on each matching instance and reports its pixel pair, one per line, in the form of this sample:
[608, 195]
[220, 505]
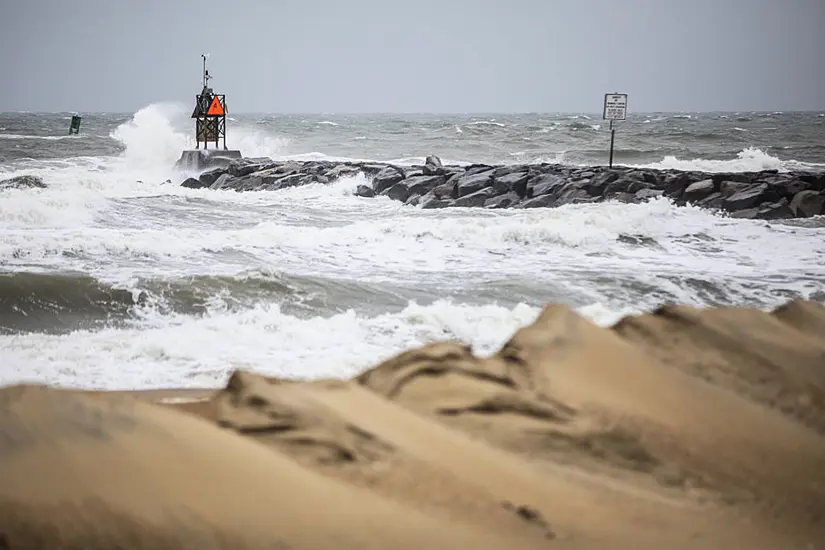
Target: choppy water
[113, 278]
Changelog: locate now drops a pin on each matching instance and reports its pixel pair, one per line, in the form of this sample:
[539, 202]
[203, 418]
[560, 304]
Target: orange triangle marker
[215, 108]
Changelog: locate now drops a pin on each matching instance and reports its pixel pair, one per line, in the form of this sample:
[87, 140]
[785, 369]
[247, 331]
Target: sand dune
[681, 428]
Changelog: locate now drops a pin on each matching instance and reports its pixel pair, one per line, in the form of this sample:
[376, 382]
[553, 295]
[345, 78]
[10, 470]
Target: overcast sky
[336, 56]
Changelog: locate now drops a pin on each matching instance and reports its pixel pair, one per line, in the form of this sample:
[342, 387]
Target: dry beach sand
[681, 428]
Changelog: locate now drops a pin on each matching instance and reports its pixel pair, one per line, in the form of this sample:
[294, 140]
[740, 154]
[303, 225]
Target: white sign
[615, 107]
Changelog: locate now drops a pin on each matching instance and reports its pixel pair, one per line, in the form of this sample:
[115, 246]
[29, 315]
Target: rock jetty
[766, 194]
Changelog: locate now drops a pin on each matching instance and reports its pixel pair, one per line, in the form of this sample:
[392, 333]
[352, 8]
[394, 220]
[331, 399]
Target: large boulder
[648, 194]
[430, 201]
[386, 178]
[446, 190]
[224, 181]
[433, 166]
[730, 187]
[698, 190]
[398, 192]
[245, 166]
[546, 184]
[422, 185]
[503, 201]
[364, 191]
[479, 198]
[769, 211]
[193, 183]
[750, 197]
[809, 203]
[470, 183]
[676, 184]
[542, 201]
[208, 178]
[511, 181]
[250, 182]
[598, 183]
[275, 183]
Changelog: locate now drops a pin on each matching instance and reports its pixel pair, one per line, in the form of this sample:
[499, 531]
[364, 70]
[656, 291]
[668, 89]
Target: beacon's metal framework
[209, 114]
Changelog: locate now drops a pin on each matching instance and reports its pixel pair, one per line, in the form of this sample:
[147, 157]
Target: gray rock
[573, 194]
[735, 177]
[676, 184]
[750, 197]
[208, 178]
[628, 198]
[475, 199]
[474, 169]
[547, 184]
[468, 184]
[23, 182]
[273, 183]
[767, 211]
[542, 201]
[502, 171]
[650, 179]
[398, 192]
[503, 201]
[712, 201]
[364, 191]
[775, 211]
[815, 182]
[342, 171]
[224, 181]
[698, 191]
[433, 166]
[193, 183]
[647, 194]
[790, 188]
[244, 167]
[513, 181]
[446, 190]
[250, 182]
[730, 187]
[430, 201]
[808, 203]
[413, 200]
[386, 178]
[421, 185]
[371, 169]
[625, 184]
[599, 182]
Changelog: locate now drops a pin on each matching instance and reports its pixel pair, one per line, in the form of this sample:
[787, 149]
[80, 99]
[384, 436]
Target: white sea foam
[116, 219]
[751, 159]
[201, 352]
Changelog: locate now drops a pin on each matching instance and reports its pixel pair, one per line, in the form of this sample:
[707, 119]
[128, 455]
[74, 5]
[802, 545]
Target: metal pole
[612, 137]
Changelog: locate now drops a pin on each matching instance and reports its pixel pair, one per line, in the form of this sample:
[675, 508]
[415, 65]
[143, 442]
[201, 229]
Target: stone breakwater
[766, 194]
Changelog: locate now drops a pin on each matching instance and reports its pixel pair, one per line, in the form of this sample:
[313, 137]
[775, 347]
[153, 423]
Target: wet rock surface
[766, 194]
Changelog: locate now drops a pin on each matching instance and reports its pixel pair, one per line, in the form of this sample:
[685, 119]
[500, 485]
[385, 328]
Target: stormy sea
[113, 276]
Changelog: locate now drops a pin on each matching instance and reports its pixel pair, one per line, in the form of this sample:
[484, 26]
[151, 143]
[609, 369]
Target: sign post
[615, 108]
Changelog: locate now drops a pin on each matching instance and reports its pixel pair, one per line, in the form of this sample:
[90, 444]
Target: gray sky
[414, 56]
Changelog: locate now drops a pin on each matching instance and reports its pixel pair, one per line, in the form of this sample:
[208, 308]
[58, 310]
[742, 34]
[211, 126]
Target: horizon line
[437, 113]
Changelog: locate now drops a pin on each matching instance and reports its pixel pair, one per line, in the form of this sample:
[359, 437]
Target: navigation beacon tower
[210, 127]
[209, 114]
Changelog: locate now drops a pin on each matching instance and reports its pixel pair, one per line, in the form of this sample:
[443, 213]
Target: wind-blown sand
[682, 428]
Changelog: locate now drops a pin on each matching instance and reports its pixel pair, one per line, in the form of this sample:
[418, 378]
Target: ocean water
[115, 277]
